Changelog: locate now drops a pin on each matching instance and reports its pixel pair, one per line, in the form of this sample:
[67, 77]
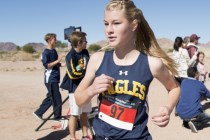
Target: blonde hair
[49, 36]
[145, 38]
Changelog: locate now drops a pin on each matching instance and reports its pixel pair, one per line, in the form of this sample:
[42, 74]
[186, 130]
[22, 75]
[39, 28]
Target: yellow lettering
[121, 87]
[142, 91]
[118, 86]
[126, 82]
[136, 86]
[111, 90]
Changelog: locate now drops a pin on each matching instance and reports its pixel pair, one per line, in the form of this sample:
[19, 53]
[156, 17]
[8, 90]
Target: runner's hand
[101, 83]
[162, 117]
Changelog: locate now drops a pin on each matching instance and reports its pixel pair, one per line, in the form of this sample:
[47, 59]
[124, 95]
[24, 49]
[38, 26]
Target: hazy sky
[24, 21]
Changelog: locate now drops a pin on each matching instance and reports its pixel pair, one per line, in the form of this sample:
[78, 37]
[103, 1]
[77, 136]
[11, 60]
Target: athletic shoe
[86, 138]
[38, 116]
[64, 123]
[57, 119]
[185, 125]
[192, 127]
[176, 114]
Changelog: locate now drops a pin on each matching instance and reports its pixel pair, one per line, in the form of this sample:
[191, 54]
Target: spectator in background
[192, 46]
[181, 57]
[186, 41]
[76, 64]
[189, 107]
[51, 62]
[200, 66]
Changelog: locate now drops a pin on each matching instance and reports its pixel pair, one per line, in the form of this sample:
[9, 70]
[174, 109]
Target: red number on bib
[116, 110]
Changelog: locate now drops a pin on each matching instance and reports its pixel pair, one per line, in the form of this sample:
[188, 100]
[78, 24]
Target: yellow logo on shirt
[121, 87]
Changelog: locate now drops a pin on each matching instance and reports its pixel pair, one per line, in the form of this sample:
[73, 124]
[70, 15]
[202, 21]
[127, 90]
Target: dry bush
[23, 56]
[16, 56]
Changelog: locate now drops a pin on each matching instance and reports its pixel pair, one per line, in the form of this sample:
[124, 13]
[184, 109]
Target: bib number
[116, 111]
[117, 115]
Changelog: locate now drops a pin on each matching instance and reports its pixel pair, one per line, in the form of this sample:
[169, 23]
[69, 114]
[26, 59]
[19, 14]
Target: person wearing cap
[192, 46]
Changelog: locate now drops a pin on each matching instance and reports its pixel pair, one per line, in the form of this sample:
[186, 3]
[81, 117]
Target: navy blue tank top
[129, 90]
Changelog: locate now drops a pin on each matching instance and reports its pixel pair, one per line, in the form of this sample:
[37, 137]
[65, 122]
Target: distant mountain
[206, 44]
[7, 46]
[163, 42]
[102, 43]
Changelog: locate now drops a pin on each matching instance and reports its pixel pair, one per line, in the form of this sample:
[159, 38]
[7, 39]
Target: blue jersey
[76, 64]
[50, 74]
[123, 109]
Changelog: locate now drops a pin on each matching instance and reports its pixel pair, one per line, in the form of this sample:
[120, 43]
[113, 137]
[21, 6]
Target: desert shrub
[107, 48]
[28, 49]
[60, 44]
[6, 56]
[93, 48]
[23, 56]
[170, 50]
[3, 52]
[36, 55]
[16, 56]
[18, 48]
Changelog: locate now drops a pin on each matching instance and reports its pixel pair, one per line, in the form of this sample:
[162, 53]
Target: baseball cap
[194, 37]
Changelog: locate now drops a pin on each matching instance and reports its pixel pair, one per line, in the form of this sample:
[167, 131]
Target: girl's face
[119, 31]
[201, 58]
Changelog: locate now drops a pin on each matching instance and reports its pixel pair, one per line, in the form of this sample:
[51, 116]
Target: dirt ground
[22, 90]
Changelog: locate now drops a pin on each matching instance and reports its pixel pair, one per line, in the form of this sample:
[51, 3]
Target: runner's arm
[91, 85]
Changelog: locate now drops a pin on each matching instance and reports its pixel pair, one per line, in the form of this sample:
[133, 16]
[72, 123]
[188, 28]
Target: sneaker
[64, 123]
[185, 125]
[57, 119]
[86, 138]
[192, 127]
[38, 116]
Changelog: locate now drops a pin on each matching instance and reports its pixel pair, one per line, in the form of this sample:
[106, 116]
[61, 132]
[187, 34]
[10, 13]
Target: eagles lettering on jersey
[121, 87]
[123, 107]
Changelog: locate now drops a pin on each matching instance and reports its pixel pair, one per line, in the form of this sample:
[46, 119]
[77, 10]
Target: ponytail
[147, 43]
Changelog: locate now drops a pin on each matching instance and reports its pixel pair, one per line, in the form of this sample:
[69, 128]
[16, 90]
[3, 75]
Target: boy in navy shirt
[189, 107]
[76, 64]
[51, 63]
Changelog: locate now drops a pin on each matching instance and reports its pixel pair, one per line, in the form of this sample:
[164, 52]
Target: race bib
[120, 116]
